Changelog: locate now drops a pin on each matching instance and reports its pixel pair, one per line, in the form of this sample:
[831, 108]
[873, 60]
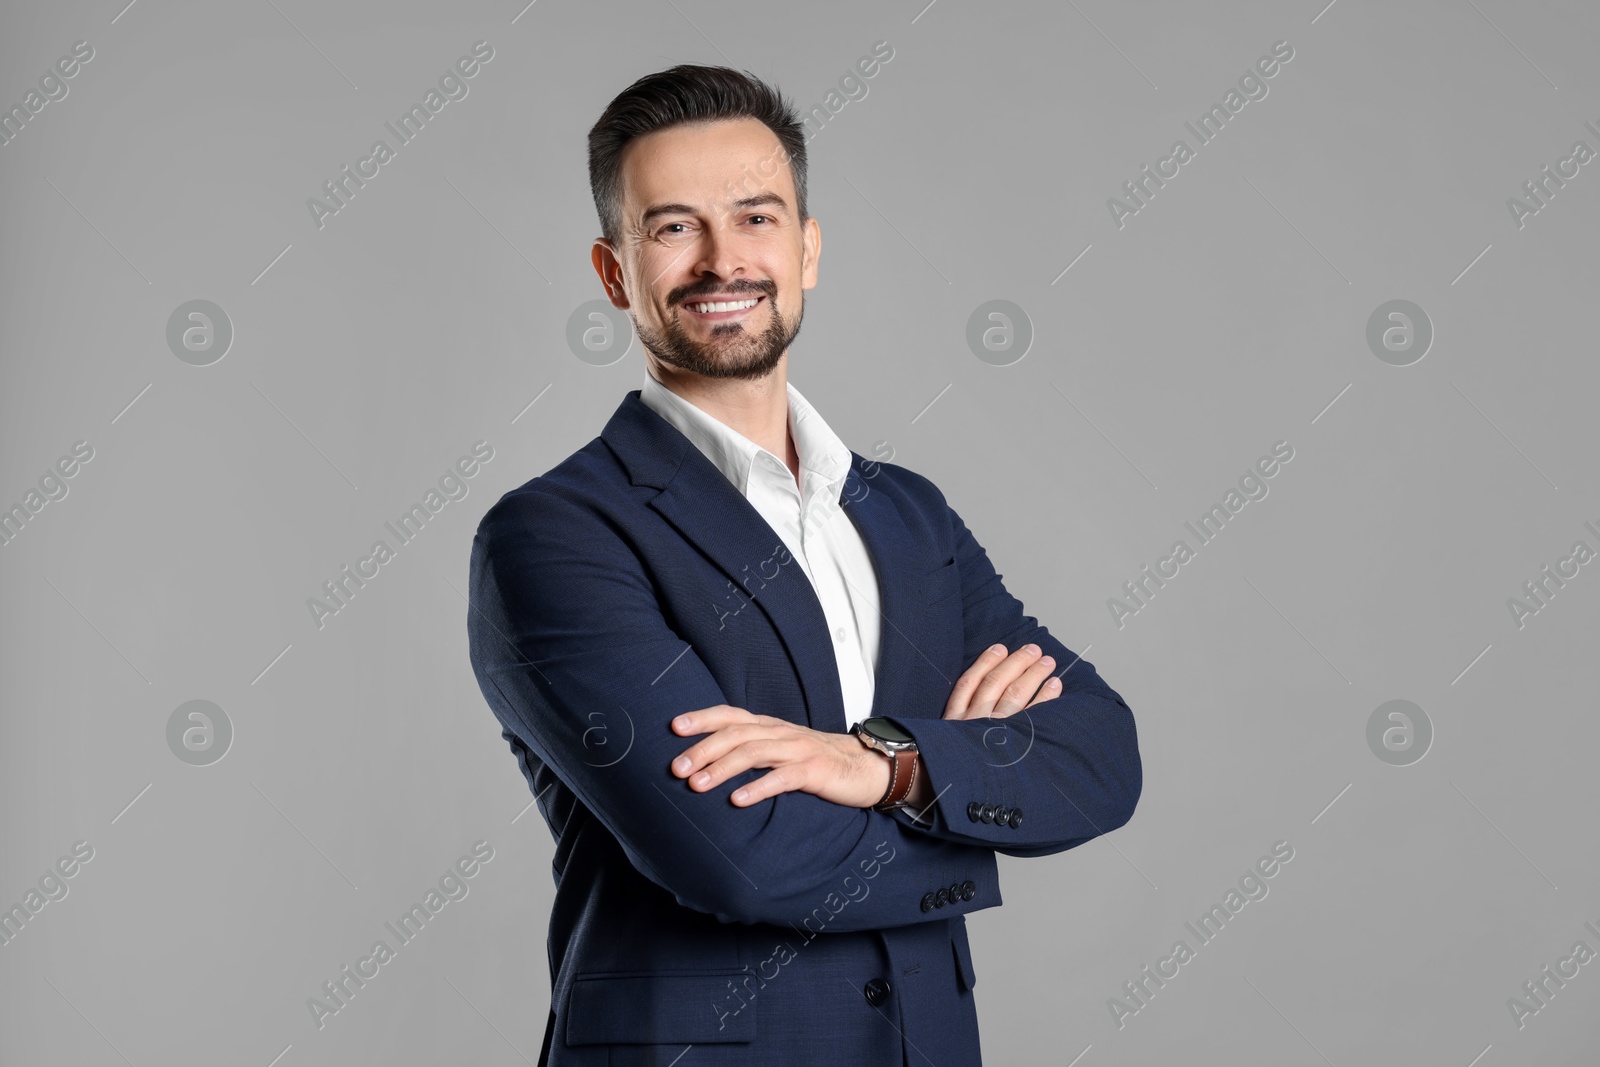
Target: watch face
[887, 731]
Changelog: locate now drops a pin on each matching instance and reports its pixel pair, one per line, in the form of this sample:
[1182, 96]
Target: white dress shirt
[808, 517]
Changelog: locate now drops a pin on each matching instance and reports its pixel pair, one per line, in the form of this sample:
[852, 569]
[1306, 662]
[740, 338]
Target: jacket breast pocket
[939, 583]
[691, 1008]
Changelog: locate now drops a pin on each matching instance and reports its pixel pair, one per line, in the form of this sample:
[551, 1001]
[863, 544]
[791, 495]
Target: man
[752, 679]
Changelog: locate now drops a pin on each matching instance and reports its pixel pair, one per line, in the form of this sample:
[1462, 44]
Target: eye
[670, 225]
[754, 217]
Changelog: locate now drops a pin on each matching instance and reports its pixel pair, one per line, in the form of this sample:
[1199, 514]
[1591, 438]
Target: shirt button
[839, 634]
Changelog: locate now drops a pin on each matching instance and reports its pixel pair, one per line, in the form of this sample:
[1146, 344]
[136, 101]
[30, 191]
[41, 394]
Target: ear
[810, 252]
[606, 264]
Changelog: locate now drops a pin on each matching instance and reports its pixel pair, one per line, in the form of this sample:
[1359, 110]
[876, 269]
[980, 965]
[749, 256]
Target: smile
[721, 309]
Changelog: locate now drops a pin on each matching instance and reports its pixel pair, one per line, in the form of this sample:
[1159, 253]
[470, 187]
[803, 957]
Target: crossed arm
[572, 653]
[837, 767]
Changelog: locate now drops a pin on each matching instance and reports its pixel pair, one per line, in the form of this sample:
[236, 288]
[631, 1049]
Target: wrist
[897, 751]
[881, 775]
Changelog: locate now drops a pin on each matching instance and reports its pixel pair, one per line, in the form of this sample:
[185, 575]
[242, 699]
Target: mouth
[721, 310]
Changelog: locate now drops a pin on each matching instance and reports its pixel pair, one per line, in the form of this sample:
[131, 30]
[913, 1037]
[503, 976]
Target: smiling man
[777, 707]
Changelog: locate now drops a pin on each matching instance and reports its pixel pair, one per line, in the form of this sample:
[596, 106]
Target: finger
[760, 752]
[1049, 691]
[706, 720]
[992, 688]
[717, 744]
[959, 703]
[778, 780]
[1014, 697]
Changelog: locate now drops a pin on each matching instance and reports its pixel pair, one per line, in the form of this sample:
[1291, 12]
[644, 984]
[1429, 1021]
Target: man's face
[709, 218]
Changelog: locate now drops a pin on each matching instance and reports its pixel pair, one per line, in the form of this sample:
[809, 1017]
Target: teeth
[732, 305]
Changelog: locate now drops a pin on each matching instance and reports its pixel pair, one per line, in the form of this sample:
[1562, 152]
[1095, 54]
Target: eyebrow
[759, 200]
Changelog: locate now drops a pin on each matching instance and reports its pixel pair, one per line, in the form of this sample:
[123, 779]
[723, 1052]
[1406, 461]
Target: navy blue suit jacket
[632, 583]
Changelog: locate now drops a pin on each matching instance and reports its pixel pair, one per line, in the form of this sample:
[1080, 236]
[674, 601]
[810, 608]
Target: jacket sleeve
[1071, 765]
[573, 654]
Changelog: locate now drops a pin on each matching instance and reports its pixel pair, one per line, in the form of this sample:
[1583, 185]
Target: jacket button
[942, 897]
[973, 810]
[876, 991]
[927, 902]
[955, 892]
[1001, 814]
[1015, 818]
[986, 813]
[969, 889]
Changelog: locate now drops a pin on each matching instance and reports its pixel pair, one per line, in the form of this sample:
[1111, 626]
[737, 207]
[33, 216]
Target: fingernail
[681, 764]
[1054, 683]
[996, 650]
[681, 722]
[1030, 649]
[740, 795]
[702, 778]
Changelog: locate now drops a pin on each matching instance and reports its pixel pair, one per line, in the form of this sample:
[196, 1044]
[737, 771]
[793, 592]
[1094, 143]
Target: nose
[719, 253]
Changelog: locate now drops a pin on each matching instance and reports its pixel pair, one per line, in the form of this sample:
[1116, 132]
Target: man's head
[698, 176]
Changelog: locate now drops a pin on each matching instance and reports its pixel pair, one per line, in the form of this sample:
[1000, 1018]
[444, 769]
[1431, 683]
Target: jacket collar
[700, 502]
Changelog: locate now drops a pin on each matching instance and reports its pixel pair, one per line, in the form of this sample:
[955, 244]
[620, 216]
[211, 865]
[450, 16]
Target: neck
[757, 409]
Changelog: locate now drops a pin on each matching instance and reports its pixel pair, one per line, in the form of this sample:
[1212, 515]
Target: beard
[732, 350]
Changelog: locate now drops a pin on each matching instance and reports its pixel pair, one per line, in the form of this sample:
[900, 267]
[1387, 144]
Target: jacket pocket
[658, 1008]
[963, 951]
[939, 583]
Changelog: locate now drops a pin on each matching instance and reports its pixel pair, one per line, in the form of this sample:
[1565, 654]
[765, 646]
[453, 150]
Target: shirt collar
[824, 457]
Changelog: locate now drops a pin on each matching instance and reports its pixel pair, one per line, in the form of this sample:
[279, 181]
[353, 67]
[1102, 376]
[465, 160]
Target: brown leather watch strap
[902, 779]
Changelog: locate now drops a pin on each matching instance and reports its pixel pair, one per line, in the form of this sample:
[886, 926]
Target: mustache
[739, 288]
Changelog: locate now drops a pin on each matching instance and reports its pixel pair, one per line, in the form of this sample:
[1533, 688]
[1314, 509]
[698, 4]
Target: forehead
[702, 163]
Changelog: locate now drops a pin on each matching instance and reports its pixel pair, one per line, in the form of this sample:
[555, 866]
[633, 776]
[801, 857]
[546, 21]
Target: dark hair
[685, 94]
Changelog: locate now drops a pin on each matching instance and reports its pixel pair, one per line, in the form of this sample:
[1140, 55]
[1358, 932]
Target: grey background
[1228, 314]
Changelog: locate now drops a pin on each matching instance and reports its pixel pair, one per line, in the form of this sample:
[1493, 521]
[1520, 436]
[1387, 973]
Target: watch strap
[902, 779]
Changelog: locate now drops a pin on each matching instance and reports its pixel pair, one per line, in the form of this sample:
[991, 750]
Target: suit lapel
[712, 516]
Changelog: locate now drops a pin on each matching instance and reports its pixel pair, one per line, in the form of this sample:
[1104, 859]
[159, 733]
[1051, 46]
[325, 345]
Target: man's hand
[835, 767]
[838, 767]
[998, 685]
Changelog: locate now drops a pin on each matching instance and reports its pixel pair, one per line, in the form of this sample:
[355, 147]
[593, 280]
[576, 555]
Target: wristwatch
[882, 735]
